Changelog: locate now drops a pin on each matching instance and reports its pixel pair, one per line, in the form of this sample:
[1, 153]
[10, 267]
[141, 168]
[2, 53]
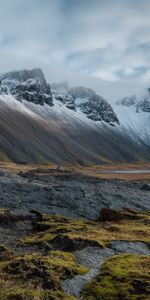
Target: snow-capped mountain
[26, 85]
[94, 106]
[141, 101]
[85, 100]
[56, 123]
[32, 86]
[60, 93]
[134, 116]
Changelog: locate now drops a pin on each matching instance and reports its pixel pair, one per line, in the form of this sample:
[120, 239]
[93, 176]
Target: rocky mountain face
[26, 85]
[144, 103]
[85, 100]
[60, 93]
[31, 85]
[141, 102]
[40, 123]
[94, 106]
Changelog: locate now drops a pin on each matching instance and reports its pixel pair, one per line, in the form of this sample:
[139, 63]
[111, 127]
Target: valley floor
[131, 172]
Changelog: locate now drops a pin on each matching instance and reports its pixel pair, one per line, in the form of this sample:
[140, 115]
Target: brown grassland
[99, 171]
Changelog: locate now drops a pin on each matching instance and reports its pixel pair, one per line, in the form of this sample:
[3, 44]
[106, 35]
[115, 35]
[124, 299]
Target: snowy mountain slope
[30, 85]
[87, 101]
[38, 132]
[25, 136]
[141, 101]
[134, 124]
[134, 116]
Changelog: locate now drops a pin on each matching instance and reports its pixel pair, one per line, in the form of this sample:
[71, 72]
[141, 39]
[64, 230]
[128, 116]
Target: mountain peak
[23, 75]
[29, 85]
[85, 100]
[141, 101]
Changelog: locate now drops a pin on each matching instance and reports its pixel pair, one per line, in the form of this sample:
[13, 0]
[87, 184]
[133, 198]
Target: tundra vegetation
[35, 263]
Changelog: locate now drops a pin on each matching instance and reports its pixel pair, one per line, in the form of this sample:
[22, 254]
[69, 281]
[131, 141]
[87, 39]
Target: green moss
[17, 293]
[124, 277]
[65, 263]
[35, 276]
[38, 276]
[133, 227]
[5, 253]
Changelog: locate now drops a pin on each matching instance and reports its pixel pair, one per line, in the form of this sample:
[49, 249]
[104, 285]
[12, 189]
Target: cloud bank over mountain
[108, 40]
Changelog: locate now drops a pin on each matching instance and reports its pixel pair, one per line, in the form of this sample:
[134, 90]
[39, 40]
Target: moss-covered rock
[46, 256]
[133, 226]
[5, 253]
[35, 276]
[123, 277]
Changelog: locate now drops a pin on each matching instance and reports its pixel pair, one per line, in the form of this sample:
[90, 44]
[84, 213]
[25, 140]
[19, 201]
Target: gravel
[93, 258]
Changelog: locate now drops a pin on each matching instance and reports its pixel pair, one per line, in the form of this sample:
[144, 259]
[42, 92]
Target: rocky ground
[94, 257]
[72, 194]
[93, 234]
[49, 257]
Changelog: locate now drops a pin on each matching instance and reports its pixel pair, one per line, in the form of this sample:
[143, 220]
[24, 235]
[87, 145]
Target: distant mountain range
[51, 122]
[141, 101]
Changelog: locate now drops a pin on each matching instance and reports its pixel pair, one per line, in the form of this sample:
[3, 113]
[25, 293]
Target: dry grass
[16, 168]
[92, 170]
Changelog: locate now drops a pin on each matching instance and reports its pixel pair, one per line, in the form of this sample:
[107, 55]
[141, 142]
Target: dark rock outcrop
[64, 243]
[94, 106]
[144, 105]
[145, 187]
[68, 100]
[85, 99]
[29, 85]
[98, 109]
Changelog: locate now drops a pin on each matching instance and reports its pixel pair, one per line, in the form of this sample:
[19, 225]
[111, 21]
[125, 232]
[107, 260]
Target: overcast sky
[104, 44]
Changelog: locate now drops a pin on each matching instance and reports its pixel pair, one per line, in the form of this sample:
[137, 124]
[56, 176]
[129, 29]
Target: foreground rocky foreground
[49, 257]
[69, 193]
[91, 241]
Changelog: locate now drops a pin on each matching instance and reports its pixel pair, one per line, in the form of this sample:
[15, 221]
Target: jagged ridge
[27, 85]
[84, 99]
[39, 133]
[141, 101]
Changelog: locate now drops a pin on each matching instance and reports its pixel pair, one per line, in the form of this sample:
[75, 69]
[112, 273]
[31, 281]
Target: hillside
[39, 124]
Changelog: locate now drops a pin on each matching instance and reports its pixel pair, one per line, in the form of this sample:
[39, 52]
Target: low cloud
[108, 40]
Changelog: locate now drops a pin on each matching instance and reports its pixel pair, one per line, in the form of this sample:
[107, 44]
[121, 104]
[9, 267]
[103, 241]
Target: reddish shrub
[109, 214]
